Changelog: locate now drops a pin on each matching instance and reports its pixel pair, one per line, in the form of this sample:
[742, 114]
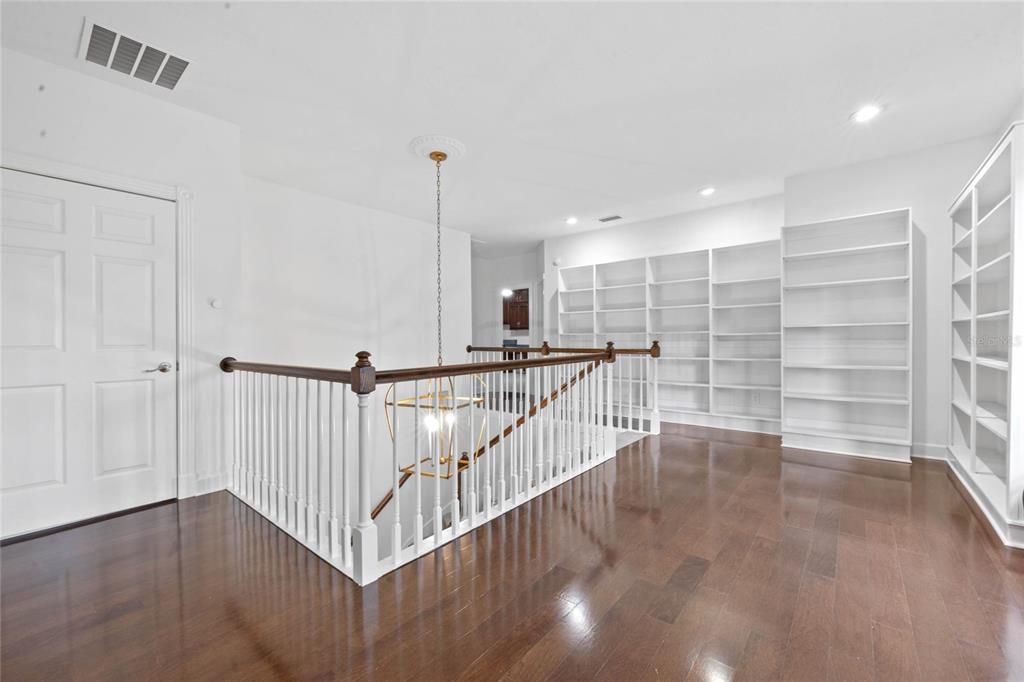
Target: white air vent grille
[110, 49]
[610, 218]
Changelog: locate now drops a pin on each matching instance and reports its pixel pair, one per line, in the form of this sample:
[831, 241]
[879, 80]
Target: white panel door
[88, 311]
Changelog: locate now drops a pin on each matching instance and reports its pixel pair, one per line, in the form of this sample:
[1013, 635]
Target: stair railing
[314, 447]
[633, 405]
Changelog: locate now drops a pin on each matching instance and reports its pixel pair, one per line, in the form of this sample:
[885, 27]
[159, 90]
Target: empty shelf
[892, 368]
[678, 307]
[963, 406]
[748, 305]
[620, 286]
[853, 250]
[846, 324]
[878, 400]
[993, 363]
[996, 426]
[766, 416]
[847, 282]
[746, 333]
[748, 281]
[678, 281]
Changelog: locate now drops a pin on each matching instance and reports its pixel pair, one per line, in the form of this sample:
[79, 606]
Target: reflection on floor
[685, 557]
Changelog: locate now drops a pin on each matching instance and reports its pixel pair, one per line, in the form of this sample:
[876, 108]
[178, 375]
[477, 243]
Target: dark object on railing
[364, 377]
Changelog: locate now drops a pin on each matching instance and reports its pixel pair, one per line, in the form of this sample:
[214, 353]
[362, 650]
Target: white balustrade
[488, 440]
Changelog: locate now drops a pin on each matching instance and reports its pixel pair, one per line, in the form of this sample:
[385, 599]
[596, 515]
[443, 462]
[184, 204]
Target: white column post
[364, 565]
[655, 409]
[396, 539]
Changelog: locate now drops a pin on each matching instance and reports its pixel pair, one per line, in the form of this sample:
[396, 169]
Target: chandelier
[440, 401]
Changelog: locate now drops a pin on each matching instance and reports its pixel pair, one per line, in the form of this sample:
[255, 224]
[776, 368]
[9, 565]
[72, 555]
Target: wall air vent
[113, 50]
[609, 218]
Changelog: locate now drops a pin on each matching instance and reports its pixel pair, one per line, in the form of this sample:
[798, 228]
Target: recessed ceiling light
[707, 191]
[506, 292]
[866, 113]
[571, 220]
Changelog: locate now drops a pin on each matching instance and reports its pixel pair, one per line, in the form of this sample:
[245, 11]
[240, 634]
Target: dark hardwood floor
[684, 558]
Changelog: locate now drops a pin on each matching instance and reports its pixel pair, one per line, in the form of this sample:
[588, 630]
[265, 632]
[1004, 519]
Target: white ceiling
[567, 108]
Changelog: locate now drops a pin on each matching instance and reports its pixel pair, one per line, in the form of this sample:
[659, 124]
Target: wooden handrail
[654, 351]
[440, 371]
[341, 376]
[363, 377]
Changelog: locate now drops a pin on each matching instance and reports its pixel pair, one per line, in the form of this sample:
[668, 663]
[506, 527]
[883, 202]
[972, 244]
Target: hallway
[682, 558]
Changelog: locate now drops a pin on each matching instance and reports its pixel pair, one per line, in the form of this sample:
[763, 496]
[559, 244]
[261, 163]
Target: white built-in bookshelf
[987, 324]
[716, 314]
[847, 330]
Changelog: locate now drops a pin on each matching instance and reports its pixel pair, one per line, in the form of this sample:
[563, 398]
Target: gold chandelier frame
[438, 401]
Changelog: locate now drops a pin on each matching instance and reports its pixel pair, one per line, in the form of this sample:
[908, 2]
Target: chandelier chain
[440, 356]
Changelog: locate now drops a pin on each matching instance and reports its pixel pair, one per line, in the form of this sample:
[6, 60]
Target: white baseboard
[211, 484]
[190, 486]
[928, 451]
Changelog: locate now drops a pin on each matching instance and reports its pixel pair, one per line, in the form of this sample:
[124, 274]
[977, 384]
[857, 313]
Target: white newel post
[655, 414]
[364, 556]
[609, 385]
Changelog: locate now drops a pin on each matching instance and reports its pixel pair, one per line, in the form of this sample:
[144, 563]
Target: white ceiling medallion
[425, 144]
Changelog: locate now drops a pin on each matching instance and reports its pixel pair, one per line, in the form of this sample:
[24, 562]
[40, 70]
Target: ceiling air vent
[113, 50]
[609, 218]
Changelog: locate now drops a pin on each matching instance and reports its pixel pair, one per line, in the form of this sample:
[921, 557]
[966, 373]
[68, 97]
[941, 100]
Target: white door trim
[184, 199]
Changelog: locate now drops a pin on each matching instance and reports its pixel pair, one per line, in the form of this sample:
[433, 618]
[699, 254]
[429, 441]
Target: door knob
[162, 367]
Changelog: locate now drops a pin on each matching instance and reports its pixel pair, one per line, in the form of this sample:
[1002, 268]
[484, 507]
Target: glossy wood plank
[698, 554]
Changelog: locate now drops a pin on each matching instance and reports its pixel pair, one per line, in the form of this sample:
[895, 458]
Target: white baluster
[301, 453]
[575, 418]
[488, 448]
[560, 426]
[348, 487]
[417, 425]
[501, 440]
[322, 477]
[631, 361]
[538, 452]
[609, 385]
[453, 435]
[396, 538]
[333, 472]
[552, 406]
[587, 410]
[268, 445]
[364, 564]
[258, 439]
[435, 448]
[471, 472]
[236, 440]
[281, 418]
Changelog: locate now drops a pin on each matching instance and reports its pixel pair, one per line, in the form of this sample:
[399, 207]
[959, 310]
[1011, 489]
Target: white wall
[302, 278]
[490, 276]
[927, 182]
[740, 223]
[322, 279]
[94, 124]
